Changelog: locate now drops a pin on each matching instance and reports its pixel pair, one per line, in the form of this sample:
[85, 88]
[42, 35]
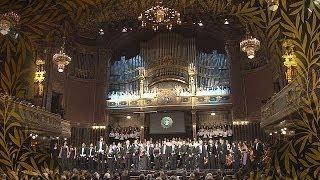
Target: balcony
[38, 119]
[281, 105]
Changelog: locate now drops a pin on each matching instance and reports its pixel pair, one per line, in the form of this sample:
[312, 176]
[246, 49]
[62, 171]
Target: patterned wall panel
[205, 119]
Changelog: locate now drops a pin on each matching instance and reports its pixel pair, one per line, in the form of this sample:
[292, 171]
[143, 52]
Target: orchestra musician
[135, 155]
[72, 156]
[167, 155]
[128, 157]
[183, 154]
[100, 149]
[157, 158]
[82, 158]
[63, 155]
[174, 155]
[91, 157]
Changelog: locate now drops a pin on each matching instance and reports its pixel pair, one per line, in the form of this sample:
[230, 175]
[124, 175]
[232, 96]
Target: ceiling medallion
[250, 45]
[8, 21]
[273, 5]
[61, 59]
[160, 16]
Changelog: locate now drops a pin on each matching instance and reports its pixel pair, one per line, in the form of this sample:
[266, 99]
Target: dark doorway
[56, 103]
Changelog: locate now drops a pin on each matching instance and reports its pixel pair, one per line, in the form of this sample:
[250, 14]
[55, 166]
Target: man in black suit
[149, 153]
[223, 154]
[201, 154]
[100, 150]
[91, 157]
[128, 155]
[82, 158]
[135, 155]
[183, 154]
[258, 153]
[174, 155]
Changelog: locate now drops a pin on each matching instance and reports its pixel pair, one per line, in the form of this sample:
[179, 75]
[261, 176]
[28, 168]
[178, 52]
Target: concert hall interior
[202, 89]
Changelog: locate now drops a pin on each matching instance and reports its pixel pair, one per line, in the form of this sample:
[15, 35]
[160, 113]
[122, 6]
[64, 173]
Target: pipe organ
[83, 65]
[169, 70]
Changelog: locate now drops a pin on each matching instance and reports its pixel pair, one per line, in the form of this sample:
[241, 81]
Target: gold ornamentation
[290, 60]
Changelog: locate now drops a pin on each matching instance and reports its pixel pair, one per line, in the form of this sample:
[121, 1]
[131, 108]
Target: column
[192, 78]
[236, 80]
[141, 80]
[194, 123]
[141, 119]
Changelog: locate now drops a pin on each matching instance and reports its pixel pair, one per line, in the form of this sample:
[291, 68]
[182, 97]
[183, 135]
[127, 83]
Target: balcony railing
[281, 105]
[38, 119]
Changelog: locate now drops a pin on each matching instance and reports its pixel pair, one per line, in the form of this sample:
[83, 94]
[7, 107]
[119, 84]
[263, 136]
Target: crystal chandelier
[158, 16]
[61, 59]
[7, 21]
[273, 5]
[250, 45]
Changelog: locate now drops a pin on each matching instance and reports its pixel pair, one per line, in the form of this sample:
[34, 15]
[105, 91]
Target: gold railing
[281, 105]
[167, 100]
[38, 119]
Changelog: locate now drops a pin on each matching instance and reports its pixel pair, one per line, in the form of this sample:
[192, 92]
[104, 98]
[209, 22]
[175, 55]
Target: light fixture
[273, 5]
[270, 134]
[61, 59]
[101, 32]
[8, 21]
[159, 16]
[213, 114]
[200, 23]
[124, 30]
[226, 21]
[128, 117]
[39, 75]
[290, 59]
[249, 45]
[98, 127]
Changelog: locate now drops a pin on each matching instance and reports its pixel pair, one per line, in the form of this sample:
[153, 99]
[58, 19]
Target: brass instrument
[229, 159]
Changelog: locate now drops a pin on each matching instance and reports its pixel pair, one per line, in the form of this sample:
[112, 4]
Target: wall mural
[298, 20]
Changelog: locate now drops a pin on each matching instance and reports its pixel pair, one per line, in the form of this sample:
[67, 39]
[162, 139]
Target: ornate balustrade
[169, 98]
[281, 105]
[38, 119]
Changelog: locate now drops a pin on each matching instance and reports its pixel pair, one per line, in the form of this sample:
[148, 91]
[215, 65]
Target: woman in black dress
[64, 151]
[72, 157]
[55, 151]
[156, 152]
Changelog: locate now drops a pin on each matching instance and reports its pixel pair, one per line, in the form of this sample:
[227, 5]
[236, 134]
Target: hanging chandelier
[250, 45]
[8, 21]
[160, 16]
[61, 59]
[273, 5]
